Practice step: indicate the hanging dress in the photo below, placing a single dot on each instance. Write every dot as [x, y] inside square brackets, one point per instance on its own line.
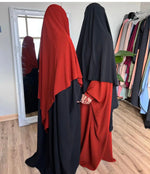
[122, 67]
[134, 60]
[58, 142]
[120, 36]
[130, 48]
[144, 95]
[96, 58]
[138, 74]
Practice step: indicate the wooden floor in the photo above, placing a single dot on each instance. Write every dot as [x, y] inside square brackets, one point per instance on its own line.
[131, 146]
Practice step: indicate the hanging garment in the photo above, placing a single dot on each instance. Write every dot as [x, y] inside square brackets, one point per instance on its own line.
[139, 36]
[143, 45]
[144, 96]
[146, 54]
[125, 65]
[134, 61]
[124, 32]
[133, 74]
[145, 69]
[29, 60]
[119, 37]
[96, 59]
[122, 67]
[130, 48]
[147, 120]
[136, 49]
[58, 146]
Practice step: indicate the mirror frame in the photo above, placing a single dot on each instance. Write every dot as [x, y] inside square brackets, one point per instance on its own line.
[13, 13]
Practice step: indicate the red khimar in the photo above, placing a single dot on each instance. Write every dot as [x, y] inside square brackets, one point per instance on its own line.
[29, 60]
[96, 58]
[58, 63]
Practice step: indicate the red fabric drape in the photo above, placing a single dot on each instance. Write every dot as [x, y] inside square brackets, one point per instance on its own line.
[58, 63]
[96, 140]
[29, 60]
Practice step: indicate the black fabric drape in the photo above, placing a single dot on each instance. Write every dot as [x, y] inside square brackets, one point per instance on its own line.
[30, 83]
[139, 39]
[95, 47]
[58, 149]
[95, 50]
[147, 117]
[113, 106]
[137, 79]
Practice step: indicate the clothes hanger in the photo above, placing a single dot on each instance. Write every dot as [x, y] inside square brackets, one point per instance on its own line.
[131, 15]
[139, 16]
[142, 14]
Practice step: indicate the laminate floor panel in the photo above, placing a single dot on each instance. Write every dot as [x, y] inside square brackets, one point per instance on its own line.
[131, 146]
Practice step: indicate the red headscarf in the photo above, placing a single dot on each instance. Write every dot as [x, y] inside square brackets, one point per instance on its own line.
[29, 60]
[58, 63]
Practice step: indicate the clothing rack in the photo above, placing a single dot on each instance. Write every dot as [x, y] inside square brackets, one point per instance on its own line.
[134, 36]
[143, 12]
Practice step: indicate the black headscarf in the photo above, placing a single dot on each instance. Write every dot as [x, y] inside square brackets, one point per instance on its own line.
[95, 47]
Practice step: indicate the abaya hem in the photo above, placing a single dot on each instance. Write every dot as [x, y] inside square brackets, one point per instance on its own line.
[92, 168]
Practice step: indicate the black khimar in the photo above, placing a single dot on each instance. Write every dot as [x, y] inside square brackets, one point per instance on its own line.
[95, 47]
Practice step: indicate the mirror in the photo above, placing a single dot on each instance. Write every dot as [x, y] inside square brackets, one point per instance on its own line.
[29, 36]
[26, 28]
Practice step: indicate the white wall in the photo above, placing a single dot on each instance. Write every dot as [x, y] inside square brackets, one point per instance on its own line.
[115, 12]
[145, 6]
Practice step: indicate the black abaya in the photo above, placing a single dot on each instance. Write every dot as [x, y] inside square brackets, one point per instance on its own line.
[58, 149]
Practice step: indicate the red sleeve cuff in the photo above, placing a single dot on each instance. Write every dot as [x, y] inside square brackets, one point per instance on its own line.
[88, 95]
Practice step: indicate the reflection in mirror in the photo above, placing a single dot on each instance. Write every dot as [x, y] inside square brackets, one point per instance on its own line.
[29, 35]
[30, 76]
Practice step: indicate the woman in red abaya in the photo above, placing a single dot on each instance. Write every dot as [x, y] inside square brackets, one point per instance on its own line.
[96, 58]
[58, 147]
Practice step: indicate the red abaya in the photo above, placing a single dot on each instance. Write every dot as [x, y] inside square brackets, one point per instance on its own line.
[96, 58]
[96, 140]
